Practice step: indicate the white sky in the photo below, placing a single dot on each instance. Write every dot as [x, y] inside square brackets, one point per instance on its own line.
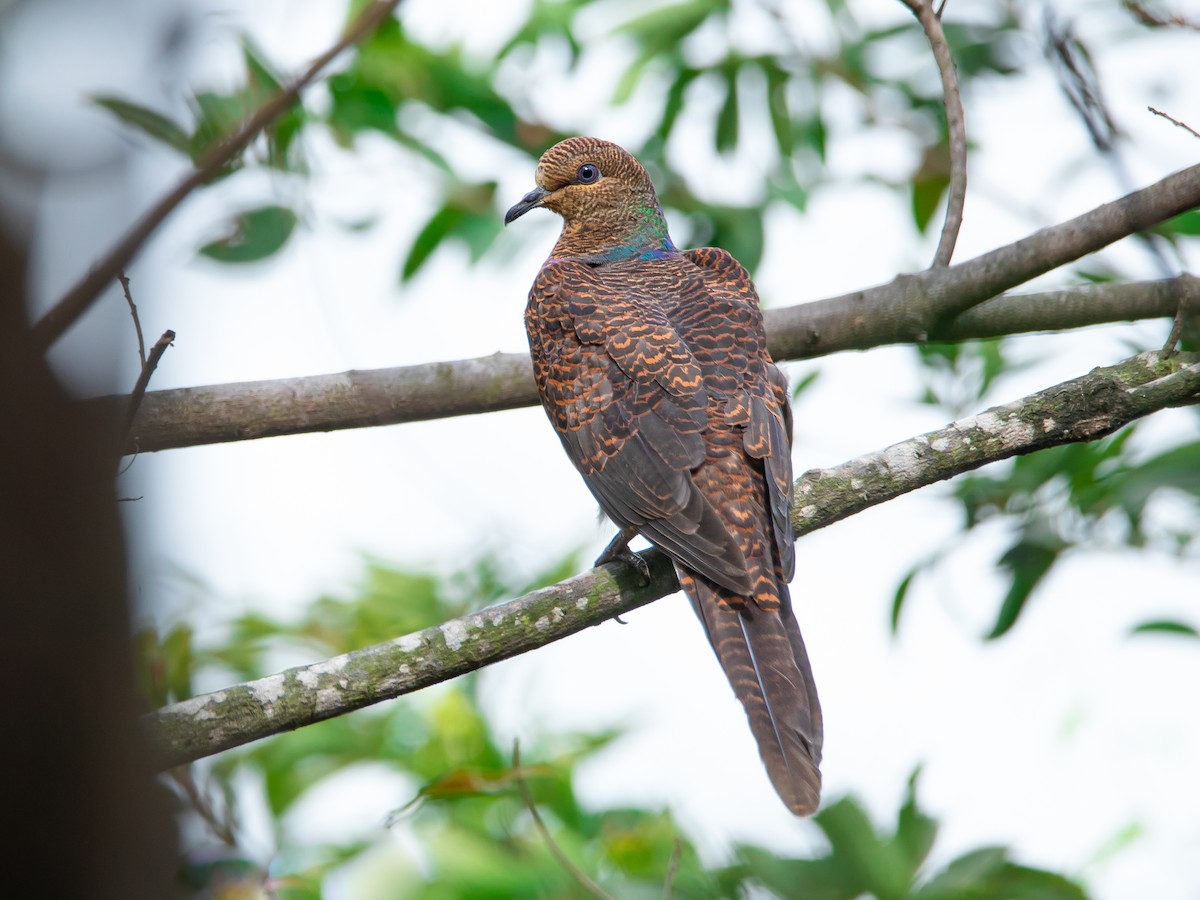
[1057, 739]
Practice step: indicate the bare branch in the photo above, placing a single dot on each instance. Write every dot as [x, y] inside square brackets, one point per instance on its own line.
[910, 307]
[956, 127]
[1186, 127]
[137, 323]
[1154, 20]
[220, 824]
[1171, 344]
[1080, 83]
[1082, 409]
[188, 417]
[571, 869]
[672, 868]
[139, 387]
[80, 297]
[1074, 307]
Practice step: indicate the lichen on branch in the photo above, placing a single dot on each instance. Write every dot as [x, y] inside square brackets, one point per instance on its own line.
[1082, 409]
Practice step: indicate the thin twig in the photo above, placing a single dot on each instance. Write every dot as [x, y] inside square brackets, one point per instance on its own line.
[1176, 332]
[956, 128]
[1189, 306]
[221, 826]
[139, 387]
[1080, 83]
[84, 293]
[1186, 127]
[1154, 20]
[137, 323]
[672, 868]
[571, 869]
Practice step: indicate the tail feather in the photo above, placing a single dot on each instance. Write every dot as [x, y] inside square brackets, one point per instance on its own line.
[763, 655]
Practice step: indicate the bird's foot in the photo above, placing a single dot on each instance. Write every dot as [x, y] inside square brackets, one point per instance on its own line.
[618, 551]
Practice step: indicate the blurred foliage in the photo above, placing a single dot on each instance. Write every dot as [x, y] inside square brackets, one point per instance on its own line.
[460, 828]
[1086, 497]
[681, 56]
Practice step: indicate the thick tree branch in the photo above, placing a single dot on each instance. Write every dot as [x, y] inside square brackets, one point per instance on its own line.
[916, 308]
[84, 293]
[188, 417]
[210, 723]
[825, 326]
[911, 307]
[1082, 409]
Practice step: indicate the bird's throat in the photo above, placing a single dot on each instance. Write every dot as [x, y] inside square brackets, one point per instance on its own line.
[647, 239]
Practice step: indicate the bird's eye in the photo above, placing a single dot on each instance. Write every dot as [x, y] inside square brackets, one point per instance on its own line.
[587, 174]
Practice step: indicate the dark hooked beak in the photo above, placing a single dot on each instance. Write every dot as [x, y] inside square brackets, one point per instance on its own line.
[532, 200]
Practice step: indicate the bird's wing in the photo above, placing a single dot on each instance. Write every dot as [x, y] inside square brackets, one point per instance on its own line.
[759, 399]
[747, 477]
[628, 401]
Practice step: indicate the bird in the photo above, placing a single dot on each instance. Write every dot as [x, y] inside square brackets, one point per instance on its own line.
[652, 366]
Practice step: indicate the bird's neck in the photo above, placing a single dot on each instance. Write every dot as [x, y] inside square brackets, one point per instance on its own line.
[638, 232]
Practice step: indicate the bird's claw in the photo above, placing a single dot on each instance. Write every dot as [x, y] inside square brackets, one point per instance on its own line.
[618, 551]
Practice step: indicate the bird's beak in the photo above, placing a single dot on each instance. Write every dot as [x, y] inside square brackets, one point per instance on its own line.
[532, 200]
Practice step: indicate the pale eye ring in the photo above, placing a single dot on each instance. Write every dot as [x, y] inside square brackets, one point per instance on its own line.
[587, 174]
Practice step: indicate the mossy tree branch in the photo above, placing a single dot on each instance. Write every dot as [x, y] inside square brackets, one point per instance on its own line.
[1082, 409]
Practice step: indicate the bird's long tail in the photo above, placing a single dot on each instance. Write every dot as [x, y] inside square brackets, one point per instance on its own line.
[758, 643]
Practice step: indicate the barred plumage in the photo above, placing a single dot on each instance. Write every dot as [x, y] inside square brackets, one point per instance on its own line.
[653, 368]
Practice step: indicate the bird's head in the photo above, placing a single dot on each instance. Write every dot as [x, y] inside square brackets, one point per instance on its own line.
[604, 196]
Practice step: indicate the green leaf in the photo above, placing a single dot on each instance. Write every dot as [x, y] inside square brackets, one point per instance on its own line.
[811, 879]
[802, 384]
[927, 193]
[629, 79]
[811, 132]
[987, 873]
[665, 26]
[777, 106]
[966, 875]
[479, 232]
[428, 238]
[177, 659]
[1027, 562]
[254, 235]
[901, 595]
[727, 118]
[358, 107]
[1097, 275]
[1166, 626]
[785, 187]
[915, 831]
[673, 103]
[148, 121]
[1187, 223]
[262, 81]
[738, 229]
[880, 866]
